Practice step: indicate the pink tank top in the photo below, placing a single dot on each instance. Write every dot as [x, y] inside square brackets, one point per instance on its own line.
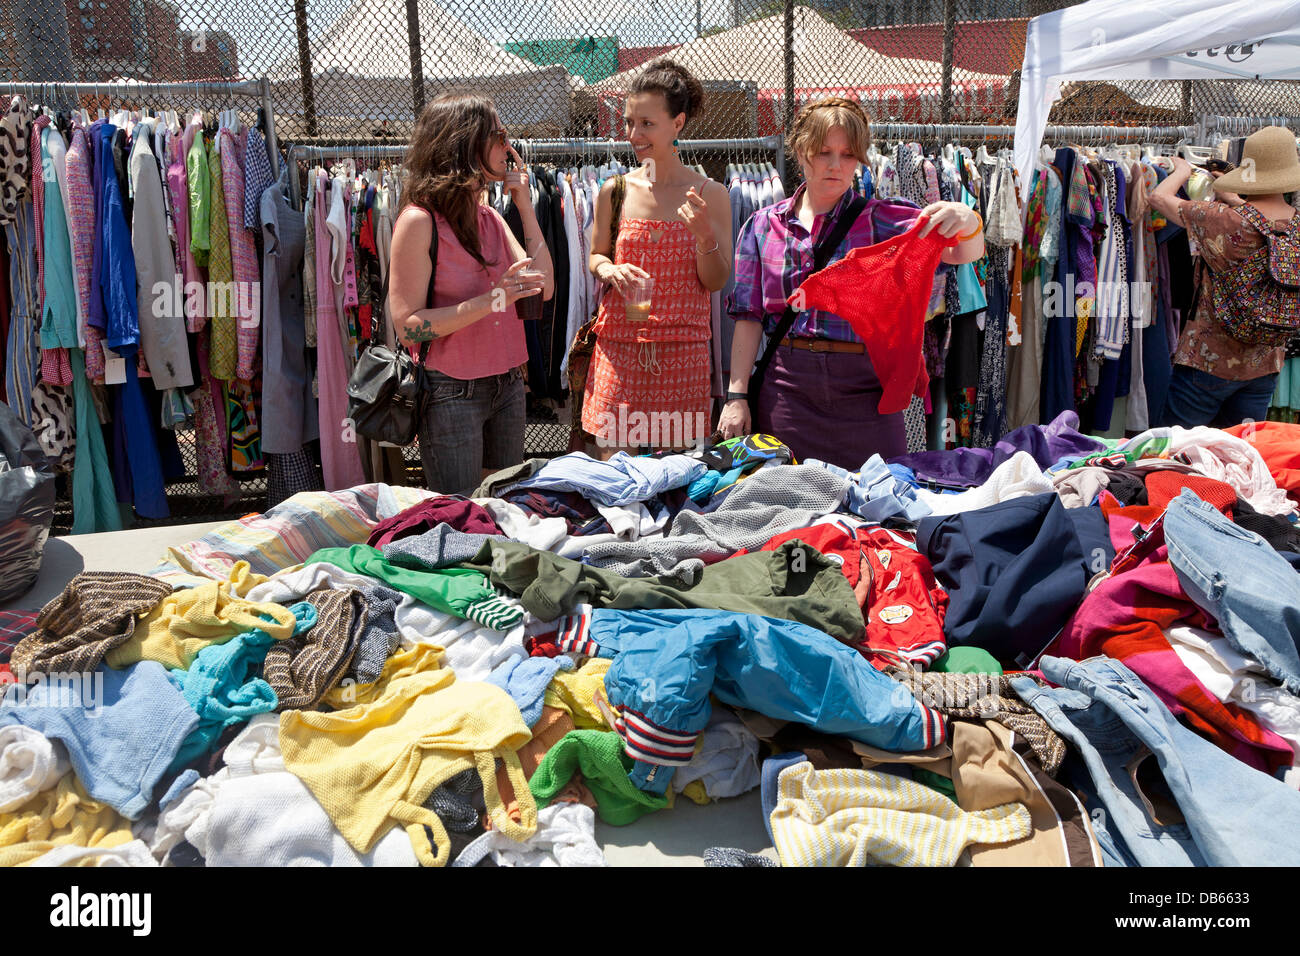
[495, 343]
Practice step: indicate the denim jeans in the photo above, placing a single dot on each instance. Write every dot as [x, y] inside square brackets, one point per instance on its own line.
[1199, 398]
[1236, 576]
[1232, 815]
[469, 425]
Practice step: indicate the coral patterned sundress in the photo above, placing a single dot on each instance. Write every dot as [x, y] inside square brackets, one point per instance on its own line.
[663, 364]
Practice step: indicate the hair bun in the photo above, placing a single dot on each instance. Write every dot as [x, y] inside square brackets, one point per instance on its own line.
[680, 87]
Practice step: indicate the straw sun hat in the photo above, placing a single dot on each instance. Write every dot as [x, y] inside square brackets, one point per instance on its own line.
[1269, 164]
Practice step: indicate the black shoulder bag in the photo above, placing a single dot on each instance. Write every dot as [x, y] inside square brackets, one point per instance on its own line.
[386, 394]
[821, 255]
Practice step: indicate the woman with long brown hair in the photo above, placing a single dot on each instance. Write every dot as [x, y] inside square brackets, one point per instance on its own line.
[474, 421]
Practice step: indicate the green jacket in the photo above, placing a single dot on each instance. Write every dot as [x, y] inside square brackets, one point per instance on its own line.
[200, 189]
[796, 582]
[457, 591]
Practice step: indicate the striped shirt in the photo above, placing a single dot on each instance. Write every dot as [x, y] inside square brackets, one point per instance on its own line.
[774, 254]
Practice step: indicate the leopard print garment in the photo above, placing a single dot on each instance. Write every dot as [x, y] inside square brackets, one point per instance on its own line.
[53, 424]
[15, 157]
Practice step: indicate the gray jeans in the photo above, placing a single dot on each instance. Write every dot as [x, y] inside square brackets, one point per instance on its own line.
[469, 425]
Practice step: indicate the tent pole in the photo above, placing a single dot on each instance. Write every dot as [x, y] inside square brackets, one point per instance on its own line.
[304, 67]
[949, 32]
[417, 63]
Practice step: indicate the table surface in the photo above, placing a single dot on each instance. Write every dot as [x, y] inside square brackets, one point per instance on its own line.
[676, 837]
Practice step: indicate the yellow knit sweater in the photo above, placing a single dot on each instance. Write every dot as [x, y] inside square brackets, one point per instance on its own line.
[63, 815]
[186, 621]
[373, 765]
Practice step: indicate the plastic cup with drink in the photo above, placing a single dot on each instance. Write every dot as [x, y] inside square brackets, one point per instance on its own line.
[639, 298]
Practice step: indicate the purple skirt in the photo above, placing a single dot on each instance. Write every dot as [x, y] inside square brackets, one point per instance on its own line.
[823, 405]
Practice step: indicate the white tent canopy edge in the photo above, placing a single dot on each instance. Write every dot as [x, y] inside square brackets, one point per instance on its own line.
[1172, 40]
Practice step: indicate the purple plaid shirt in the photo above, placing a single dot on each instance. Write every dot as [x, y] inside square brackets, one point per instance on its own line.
[774, 254]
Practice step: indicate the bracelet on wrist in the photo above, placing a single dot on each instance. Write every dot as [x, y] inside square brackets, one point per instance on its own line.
[737, 396]
[706, 252]
[979, 227]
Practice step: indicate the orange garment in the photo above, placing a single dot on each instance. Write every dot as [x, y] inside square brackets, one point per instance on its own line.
[662, 364]
[882, 291]
[549, 730]
[1278, 443]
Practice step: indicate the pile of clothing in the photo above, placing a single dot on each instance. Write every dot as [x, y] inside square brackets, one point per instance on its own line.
[952, 658]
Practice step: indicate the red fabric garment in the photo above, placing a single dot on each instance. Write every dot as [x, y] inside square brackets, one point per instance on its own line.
[1125, 617]
[903, 604]
[366, 238]
[1278, 443]
[461, 513]
[1164, 485]
[883, 292]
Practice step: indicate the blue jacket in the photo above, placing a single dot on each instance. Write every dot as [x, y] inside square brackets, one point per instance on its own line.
[666, 663]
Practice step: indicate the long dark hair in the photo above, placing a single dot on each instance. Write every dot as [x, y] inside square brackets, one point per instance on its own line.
[444, 165]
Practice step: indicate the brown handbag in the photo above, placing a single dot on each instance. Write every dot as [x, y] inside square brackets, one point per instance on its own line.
[584, 342]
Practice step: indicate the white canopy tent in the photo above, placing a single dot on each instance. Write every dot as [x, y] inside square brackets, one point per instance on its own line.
[361, 71]
[826, 60]
[1112, 40]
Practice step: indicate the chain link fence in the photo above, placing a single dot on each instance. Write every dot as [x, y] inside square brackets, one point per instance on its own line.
[358, 71]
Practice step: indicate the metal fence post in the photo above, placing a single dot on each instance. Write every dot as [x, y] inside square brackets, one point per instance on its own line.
[788, 117]
[949, 34]
[304, 67]
[417, 63]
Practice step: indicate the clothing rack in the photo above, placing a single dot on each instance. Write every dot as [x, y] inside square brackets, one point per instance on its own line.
[1085, 134]
[298, 153]
[533, 148]
[259, 88]
[1213, 127]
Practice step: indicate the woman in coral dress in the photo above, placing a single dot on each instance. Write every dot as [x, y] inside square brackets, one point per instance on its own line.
[648, 384]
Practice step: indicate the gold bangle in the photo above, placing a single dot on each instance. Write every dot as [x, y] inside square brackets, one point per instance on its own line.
[974, 232]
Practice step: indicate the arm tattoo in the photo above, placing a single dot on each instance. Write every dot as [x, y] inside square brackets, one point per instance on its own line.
[423, 332]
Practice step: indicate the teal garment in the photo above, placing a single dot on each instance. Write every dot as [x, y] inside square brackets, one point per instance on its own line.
[599, 756]
[1287, 393]
[223, 686]
[94, 501]
[59, 320]
[966, 660]
[970, 293]
[458, 591]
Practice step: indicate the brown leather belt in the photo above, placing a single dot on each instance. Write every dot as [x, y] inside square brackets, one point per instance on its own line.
[826, 345]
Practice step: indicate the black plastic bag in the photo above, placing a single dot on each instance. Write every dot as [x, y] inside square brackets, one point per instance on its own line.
[26, 505]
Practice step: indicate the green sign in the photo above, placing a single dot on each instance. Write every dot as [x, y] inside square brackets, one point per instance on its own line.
[592, 58]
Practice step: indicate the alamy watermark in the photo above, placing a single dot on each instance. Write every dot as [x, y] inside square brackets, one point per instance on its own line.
[208, 298]
[65, 690]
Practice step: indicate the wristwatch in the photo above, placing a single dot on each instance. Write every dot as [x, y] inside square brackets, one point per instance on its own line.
[738, 396]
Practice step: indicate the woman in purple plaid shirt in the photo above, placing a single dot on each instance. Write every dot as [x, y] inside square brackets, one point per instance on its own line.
[820, 393]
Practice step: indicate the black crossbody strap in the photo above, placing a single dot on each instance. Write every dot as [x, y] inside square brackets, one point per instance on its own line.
[821, 255]
[428, 299]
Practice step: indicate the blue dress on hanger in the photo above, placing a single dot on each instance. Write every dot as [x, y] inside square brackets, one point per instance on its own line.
[137, 469]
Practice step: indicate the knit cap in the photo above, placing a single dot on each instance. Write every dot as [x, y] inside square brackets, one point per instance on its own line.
[95, 613]
[883, 292]
[599, 756]
[303, 669]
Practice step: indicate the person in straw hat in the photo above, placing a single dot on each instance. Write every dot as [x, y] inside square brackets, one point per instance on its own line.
[1218, 380]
